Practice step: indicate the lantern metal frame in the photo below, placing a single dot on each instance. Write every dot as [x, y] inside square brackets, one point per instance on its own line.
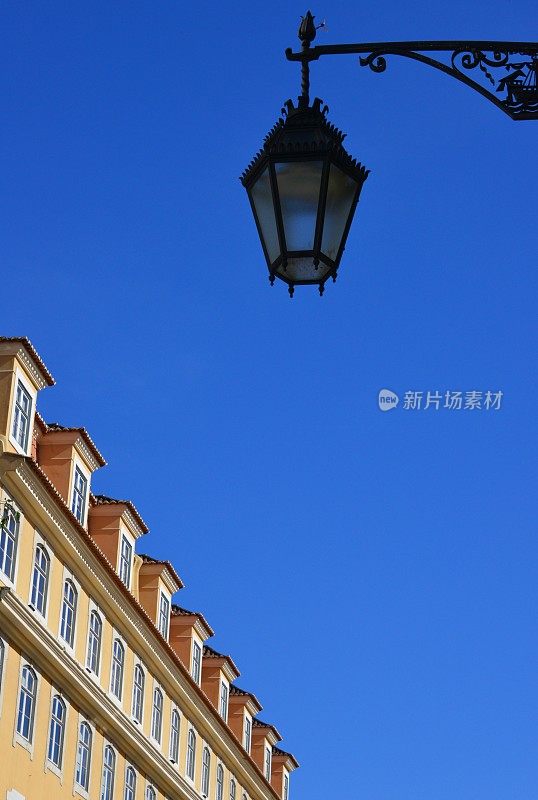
[303, 134]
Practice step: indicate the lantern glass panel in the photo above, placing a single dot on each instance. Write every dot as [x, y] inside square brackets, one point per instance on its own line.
[263, 203]
[299, 183]
[340, 195]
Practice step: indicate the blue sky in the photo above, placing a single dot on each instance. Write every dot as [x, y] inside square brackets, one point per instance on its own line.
[373, 575]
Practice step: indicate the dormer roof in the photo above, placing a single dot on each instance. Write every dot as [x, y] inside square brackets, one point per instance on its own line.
[254, 704]
[226, 661]
[207, 630]
[173, 577]
[291, 762]
[271, 731]
[104, 500]
[30, 356]
[53, 427]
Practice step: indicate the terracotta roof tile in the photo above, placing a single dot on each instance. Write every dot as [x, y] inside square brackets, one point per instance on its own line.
[55, 426]
[103, 500]
[33, 352]
[278, 752]
[178, 611]
[150, 560]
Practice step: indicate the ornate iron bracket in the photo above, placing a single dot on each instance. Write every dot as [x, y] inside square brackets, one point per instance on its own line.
[508, 71]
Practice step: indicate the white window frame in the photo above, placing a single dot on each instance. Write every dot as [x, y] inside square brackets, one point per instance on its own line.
[50, 766]
[106, 744]
[220, 768]
[77, 787]
[39, 541]
[96, 676]
[138, 663]
[84, 471]
[18, 738]
[204, 748]
[12, 580]
[68, 576]
[124, 536]
[196, 674]
[166, 597]
[224, 699]
[157, 687]
[285, 784]
[113, 695]
[247, 732]
[192, 779]
[150, 785]
[20, 376]
[268, 762]
[129, 766]
[175, 760]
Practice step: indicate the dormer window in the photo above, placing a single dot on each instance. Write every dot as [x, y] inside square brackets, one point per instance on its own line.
[267, 769]
[164, 615]
[196, 662]
[126, 560]
[224, 701]
[21, 416]
[80, 489]
[248, 733]
[286, 791]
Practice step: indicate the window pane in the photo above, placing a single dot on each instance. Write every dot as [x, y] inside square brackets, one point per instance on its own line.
[9, 534]
[56, 732]
[263, 203]
[82, 770]
[40, 578]
[21, 416]
[27, 696]
[69, 610]
[298, 188]
[340, 194]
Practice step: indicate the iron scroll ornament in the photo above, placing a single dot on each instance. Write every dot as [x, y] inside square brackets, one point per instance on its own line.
[508, 70]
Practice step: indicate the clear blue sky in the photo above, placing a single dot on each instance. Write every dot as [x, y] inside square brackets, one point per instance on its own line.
[373, 575]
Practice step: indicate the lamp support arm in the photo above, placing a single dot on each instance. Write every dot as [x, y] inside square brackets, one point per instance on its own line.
[514, 90]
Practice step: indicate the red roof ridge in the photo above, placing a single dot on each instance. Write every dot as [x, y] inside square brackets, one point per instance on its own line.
[55, 426]
[103, 500]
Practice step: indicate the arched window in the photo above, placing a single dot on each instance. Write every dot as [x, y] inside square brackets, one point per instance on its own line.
[220, 782]
[40, 579]
[84, 754]
[233, 789]
[69, 613]
[116, 675]
[27, 698]
[206, 766]
[174, 736]
[9, 537]
[130, 784]
[150, 793]
[157, 715]
[109, 767]
[56, 732]
[191, 753]
[138, 693]
[94, 643]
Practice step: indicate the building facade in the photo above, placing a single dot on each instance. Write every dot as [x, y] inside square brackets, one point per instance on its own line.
[108, 688]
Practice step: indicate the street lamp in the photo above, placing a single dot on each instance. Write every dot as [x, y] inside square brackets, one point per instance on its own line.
[303, 186]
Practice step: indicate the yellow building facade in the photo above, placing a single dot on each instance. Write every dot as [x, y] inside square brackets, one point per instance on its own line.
[108, 688]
